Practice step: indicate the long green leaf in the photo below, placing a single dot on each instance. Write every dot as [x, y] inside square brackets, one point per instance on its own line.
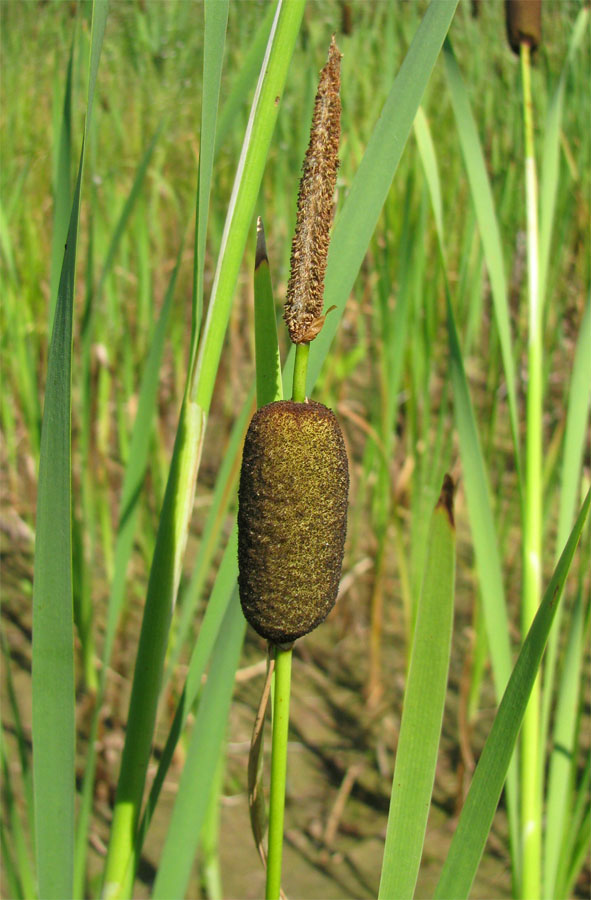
[53, 644]
[484, 207]
[564, 750]
[210, 726]
[53, 640]
[188, 815]
[477, 815]
[245, 79]
[577, 426]
[358, 218]
[256, 144]
[477, 486]
[422, 714]
[61, 190]
[216, 20]
[208, 633]
[551, 152]
[132, 482]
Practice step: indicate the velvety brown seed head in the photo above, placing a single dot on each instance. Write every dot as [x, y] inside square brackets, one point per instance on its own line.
[524, 23]
[309, 250]
[292, 518]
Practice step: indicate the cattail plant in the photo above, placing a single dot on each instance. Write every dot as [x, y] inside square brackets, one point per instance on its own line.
[294, 480]
[524, 26]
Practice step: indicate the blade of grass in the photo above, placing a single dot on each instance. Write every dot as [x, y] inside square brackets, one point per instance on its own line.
[132, 483]
[422, 715]
[488, 560]
[20, 862]
[202, 758]
[357, 220]
[564, 755]
[208, 633]
[577, 424]
[247, 77]
[177, 856]
[268, 363]
[551, 151]
[216, 20]
[479, 808]
[23, 750]
[9, 866]
[61, 189]
[482, 198]
[244, 193]
[53, 645]
[213, 531]
[53, 650]
[576, 837]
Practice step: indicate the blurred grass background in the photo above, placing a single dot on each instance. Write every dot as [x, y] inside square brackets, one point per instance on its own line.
[387, 376]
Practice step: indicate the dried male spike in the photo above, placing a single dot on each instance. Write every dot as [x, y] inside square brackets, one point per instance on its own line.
[524, 23]
[292, 517]
[309, 250]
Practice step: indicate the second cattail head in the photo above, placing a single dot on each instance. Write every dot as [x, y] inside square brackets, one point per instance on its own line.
[524, 23]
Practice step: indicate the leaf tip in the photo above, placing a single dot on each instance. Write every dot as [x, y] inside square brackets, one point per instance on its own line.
[446, 498]
[261, 248]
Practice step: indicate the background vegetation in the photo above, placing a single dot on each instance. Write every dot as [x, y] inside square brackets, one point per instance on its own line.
[388, 377]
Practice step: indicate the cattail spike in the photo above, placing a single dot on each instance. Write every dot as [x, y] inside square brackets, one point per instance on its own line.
[309, 251]
[292, 518]
[524, 23]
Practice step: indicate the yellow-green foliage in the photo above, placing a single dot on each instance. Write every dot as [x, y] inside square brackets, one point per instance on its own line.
[292, 518]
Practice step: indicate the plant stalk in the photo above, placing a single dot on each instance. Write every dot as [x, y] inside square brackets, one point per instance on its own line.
[282, 686]
[300, 371]
[532, 526]
[278, 770]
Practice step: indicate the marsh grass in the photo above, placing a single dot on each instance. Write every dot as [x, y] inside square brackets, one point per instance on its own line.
[422, 372]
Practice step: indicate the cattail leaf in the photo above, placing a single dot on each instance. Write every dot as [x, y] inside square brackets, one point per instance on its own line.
[479, 808]
[53, 639]
[268, 361]
[216, 20]
[478, 496]
[564, 758]
[550, 175]
[192, 799]
[61, 188]
[213, 532]
[422, 714]
[133, 479]
[490, 235]
[357, 220]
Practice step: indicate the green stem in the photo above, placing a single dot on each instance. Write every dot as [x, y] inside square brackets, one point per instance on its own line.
[278, 770]
[532, 541]
[300, 371]
[282, 686]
